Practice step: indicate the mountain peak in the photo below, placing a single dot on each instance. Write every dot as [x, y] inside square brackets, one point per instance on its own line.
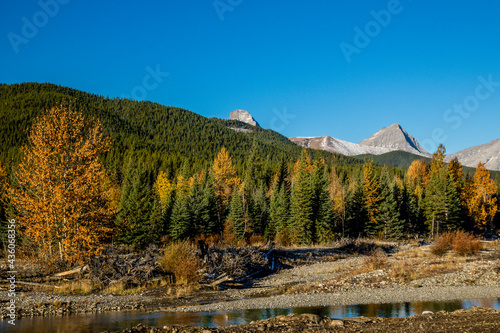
[244, 116]
[395, 137]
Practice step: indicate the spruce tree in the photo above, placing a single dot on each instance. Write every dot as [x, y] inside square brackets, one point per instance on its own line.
[356, 212]
[389, 215]
[138, 219]
[301, 223]
[322, 213]
[237, 216]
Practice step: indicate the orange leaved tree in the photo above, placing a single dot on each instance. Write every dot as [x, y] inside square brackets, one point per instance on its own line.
[482, 203]
[63, 198]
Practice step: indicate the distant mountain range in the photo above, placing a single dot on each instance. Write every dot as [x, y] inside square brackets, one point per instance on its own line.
[390, 139]
[488, 154]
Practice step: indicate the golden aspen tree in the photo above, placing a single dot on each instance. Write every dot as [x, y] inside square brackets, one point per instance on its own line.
[164, 189]
[225, 176]
[371, 189]
[338, 197]
[63, 199]
[482, 205]
[418, 174]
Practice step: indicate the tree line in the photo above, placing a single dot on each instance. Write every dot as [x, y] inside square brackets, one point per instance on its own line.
[68, 207]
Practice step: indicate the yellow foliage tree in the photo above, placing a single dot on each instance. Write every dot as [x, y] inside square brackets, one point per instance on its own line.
[482, 204]
[225, 176]
[418, 174]
[63, 198]
[164, 189]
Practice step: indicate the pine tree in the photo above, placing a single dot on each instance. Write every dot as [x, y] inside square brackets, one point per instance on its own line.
[389, 217]
[301, 223]
[63, 198]
[453, 209]
[181, 224]
[139, 217]
[435, 201]
[322, 213]
[279, 210]
[356, 213]
[237, 218]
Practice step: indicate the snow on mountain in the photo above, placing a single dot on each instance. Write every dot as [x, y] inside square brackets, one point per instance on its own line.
[488, 154]
[338, 146]
[388, 139]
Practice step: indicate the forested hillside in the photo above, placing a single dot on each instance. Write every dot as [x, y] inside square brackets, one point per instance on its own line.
[96, 171]
[163, 134]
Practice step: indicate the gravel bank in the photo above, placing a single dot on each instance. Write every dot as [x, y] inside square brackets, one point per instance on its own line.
[361, 296]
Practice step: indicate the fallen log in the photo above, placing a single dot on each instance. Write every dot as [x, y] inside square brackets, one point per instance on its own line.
[37, 284]
[73, 271]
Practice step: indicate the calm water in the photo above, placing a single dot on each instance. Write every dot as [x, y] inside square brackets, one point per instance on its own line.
[120, 321]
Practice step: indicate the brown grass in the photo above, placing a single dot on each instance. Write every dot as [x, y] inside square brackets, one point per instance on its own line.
[179, 259]
[81, 287]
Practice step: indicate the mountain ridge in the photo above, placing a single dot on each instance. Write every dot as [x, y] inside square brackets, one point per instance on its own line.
[387, 139]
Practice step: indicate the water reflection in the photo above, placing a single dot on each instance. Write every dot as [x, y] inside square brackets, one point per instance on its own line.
[119, 321]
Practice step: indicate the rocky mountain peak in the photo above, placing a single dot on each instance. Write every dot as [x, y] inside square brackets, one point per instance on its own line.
[395, 137]
[244, 116]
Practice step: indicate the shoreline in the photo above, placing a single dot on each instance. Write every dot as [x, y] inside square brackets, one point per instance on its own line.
[372, 296]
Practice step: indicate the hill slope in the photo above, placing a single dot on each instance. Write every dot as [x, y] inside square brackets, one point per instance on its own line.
[166, 134]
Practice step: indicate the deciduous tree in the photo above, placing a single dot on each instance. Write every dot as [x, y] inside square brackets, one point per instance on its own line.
[62, 196]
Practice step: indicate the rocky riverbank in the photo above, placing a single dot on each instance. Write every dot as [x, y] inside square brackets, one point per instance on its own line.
[480, 320]
[313, 277]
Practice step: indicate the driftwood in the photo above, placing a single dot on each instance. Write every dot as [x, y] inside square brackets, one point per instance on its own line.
[235, 266]
[70, 272]
[129, 268]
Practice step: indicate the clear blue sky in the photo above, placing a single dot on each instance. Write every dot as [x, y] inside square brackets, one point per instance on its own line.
[272, 57]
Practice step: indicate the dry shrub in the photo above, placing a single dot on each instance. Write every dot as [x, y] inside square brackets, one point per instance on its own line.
[257, 240]
[228, 235]
[461, 242]
[179, 258]
[442, 243]
[213, 239]
[283, 237]
[465, 244]
[375, 260]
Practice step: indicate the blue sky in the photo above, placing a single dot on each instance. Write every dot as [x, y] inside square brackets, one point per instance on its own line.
[338, 68]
